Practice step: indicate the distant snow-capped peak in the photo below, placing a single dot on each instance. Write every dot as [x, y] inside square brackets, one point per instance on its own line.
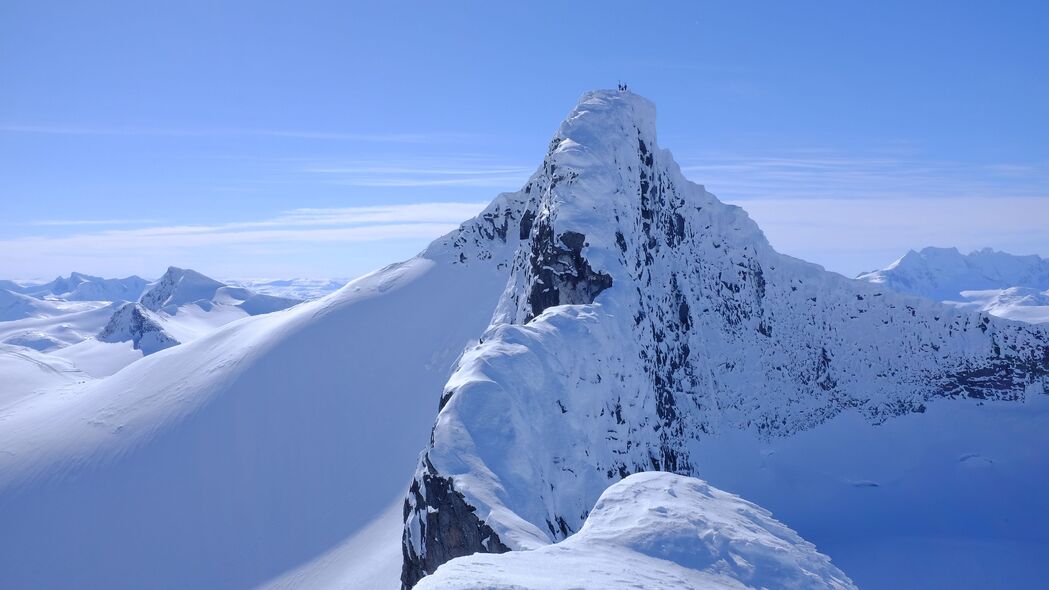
[1002, 284]
[943, 273]
[134, 323]
[83, 287]
[178, 287]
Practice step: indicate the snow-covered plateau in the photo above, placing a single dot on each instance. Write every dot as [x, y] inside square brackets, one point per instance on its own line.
[568, 362]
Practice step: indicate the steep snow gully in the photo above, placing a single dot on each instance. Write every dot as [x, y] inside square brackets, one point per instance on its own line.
[610, 318]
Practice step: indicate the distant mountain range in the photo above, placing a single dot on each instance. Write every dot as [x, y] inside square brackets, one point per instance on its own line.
[96, 326]
[82, 287]
[1002, 284]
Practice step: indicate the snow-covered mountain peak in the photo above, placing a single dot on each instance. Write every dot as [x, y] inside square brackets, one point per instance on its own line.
[177, 287]
[945, 258]
[642, 317]
[602, 121]
[607, 187]
[943, 273]
[134, 323]
[66, 284]
[83, 287]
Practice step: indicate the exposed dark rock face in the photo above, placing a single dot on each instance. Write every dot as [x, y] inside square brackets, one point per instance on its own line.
[526, 224]
[448, 526]
[132, 323]
[561, 276]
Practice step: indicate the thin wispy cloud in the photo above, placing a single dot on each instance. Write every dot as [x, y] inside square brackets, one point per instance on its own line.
[434, 137]
[831, 176]
[450, 171]
[873, 208]
[300, 226]
[75, 222]
[854, 235]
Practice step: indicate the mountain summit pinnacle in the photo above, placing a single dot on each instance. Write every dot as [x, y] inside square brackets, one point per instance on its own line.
[642, 318]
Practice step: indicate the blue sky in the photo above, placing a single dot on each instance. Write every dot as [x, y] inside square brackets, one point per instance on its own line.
[329, 138]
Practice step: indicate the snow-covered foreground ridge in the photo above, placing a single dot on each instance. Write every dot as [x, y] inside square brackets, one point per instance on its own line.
[657, 530]
[643, 318]
[264, 448]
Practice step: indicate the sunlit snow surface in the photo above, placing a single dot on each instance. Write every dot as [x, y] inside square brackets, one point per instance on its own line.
[661, 531]
[249, 454]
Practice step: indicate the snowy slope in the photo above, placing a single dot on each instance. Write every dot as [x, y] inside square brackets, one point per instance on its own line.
[178, 287]
[15, 306]
[27, 373]
[53, 324]
[954, 497]
[1001, 284]
[273, 450]
[660, 531]
[642, 320]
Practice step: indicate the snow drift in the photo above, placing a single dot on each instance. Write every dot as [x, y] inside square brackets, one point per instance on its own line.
[657, 530]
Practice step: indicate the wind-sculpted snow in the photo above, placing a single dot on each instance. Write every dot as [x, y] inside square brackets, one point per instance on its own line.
[643, 316]
[657, 530]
